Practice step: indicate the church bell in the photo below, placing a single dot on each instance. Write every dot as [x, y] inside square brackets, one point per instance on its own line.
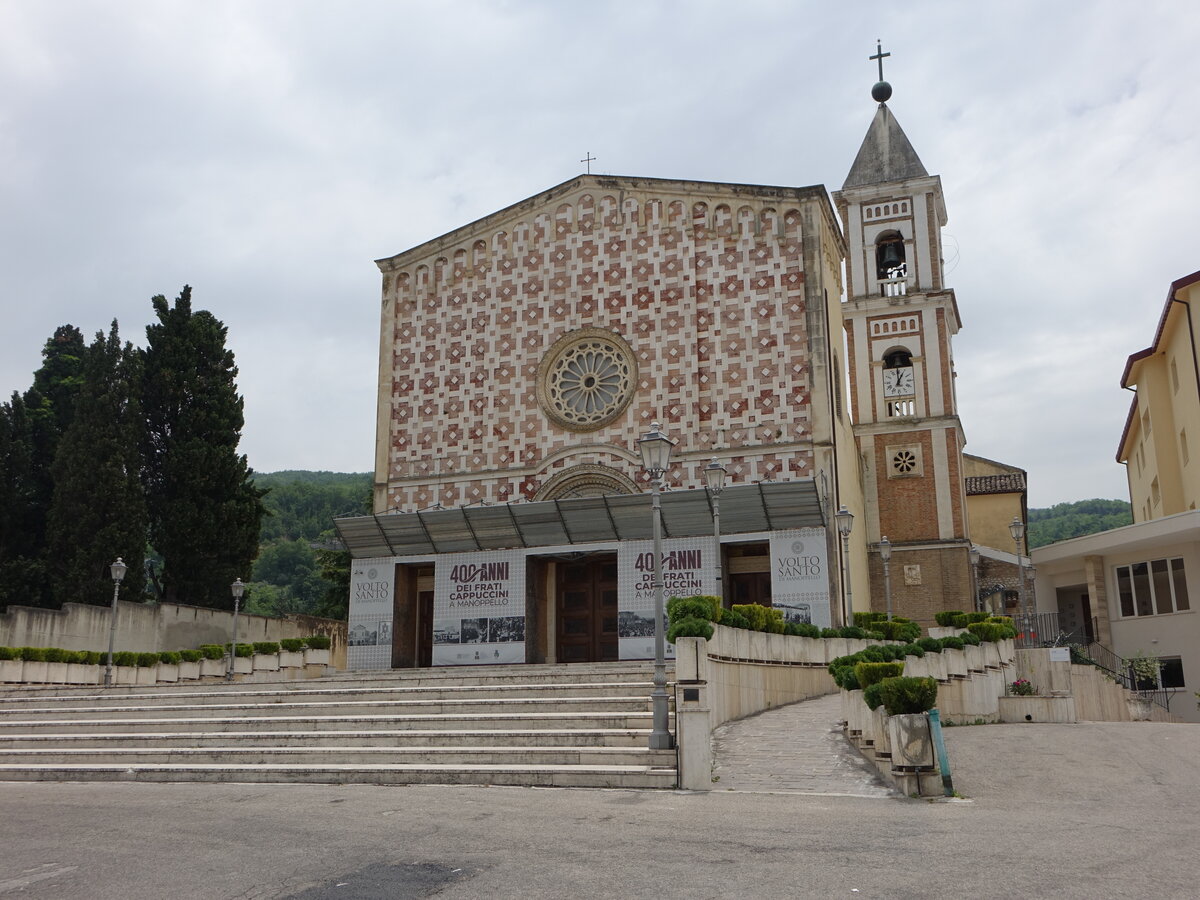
[891, 257]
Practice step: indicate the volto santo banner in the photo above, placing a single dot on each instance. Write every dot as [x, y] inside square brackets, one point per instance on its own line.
[688, 569]
[369, 628]
[479, 609]
[800, 575]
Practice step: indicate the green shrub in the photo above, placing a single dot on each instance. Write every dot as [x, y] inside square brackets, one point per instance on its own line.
[190, 655]
[869, 673]
[913, 650]
[213, 651]
[690, 626]
[755, 614]
[125, 658]
[147, 659]
[292, 645]
[850, 631]
[33, 654]
[170, 657]
[243, 651]
[991, 631]
[874, 653]
[897, 630]
[318, 641]
[775, 621]
[952, 643]
[8, 653]
[734, 619]
[266, 646]
[94, 657]
[969, 637]
[847, 679]
[700, 606]
[867, 619]
[976, 617]
[829, 633]
[803, 629]
[904, 696]
[960, 621]
[56, 654]
[931, 645]
[946, 618]
[873, 696]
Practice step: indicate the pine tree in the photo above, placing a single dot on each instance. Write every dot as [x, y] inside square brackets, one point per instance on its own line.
[205, 513]
[31, 427]
[99, 512]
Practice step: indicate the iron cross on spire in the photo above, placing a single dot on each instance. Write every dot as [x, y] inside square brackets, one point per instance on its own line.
[880, 56]
[589, 159]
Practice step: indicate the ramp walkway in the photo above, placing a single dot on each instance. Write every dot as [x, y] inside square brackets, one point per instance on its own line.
[794, 749]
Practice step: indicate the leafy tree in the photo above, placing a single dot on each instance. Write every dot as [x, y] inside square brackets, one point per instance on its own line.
[98, 511]
[205, 512]
[1064, 521]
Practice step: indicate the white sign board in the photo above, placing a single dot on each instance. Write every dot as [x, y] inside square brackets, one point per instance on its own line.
[687, 569]
[479, 608]
[1060, 654]
[369, 625]
[800, 575]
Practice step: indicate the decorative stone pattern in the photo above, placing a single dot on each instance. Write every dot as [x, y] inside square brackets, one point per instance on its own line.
[706, 285]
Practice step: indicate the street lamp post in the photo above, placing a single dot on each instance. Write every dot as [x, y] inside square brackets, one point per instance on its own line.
[1017, 529]
[238, 589]
[656, 456]
[974, 557]
[714, 477]
[117, 570]
[845, 522]
[885, 554]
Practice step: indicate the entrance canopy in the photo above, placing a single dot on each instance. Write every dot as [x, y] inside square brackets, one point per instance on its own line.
[771, 506]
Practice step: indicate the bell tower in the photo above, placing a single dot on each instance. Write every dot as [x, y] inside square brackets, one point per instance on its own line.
[900, 320]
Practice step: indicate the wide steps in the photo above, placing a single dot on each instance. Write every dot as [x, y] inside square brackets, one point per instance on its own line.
[518, 725]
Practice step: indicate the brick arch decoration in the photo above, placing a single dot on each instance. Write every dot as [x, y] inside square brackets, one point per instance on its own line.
[586, 480]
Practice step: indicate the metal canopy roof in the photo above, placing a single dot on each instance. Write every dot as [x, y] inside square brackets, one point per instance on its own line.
[771, 506]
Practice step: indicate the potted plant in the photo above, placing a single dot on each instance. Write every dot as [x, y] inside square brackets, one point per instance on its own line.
[11, 665]
[266, 656]
[215, 661]
[1143, 671]
[291, 654]
[908, 701]
[189, 664]
[316, 651]
[1022, 687]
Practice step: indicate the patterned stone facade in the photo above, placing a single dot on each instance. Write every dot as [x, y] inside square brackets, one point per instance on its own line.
[722, 292]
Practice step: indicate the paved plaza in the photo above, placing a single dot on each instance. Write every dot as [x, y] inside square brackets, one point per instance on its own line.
[1058, 811]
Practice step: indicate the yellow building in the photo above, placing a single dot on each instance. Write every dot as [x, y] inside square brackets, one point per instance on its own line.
[1165, 412]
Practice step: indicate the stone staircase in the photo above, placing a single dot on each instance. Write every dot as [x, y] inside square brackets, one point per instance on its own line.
[554, 725]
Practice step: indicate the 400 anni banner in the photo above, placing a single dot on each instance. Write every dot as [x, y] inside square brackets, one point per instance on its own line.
[688, 569]
[479, 609]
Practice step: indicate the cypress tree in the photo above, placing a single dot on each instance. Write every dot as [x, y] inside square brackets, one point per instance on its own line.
[205, 512]
[98, 512]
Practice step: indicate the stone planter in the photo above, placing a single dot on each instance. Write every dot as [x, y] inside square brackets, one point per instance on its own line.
[213, 668]
[321, 657]
[81, 673]
[1140, 708]
[189, 671]
[915, 667]
[265, 662]
[910, 741]
[879, 729]
[56, 673]
[146, 674]
[976, 658]
[939, 631]
[125, 674]
[34, 672]
[937, 666]
[956, 662]
[12, 670]
[168, 672]
[991, 654]
[243, 665]
[291, 660]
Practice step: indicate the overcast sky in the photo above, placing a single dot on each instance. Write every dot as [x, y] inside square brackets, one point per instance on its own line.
[267, 152]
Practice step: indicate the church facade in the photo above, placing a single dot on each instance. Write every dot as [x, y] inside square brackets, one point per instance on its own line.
[523, 356]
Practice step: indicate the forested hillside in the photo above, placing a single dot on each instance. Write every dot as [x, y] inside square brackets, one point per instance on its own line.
[298, 569]
[1069, 520]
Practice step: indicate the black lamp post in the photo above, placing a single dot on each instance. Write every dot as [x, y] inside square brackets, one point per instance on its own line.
[656, 457]
[714, 477]
[117, 570]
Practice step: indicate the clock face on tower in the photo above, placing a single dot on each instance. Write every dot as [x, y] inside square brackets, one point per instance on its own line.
[898, 382]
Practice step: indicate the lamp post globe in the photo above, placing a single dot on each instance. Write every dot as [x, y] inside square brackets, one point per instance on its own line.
[656, 458]
[238, 590]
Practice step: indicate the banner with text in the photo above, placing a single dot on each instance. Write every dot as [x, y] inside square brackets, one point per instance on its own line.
[688, 569]
[369, 625]
[800, 575]
[479, 608]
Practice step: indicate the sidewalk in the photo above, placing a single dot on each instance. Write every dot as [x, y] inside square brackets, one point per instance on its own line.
[795, 749]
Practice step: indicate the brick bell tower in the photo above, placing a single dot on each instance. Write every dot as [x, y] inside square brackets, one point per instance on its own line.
[900, 319]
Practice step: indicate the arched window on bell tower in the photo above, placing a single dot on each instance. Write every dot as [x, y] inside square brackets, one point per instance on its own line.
[899, 383]
[891, 266]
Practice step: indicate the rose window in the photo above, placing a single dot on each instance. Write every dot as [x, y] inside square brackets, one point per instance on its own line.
[904, 461]
[586, 379]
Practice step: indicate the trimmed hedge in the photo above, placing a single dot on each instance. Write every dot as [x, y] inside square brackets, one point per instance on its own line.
[952, 643]
[190, 656]
[170, 657]
[292, 645]
[905, 696]
[946, 618]
[8, 653]
[266, 647]
[690, 627]
[930, 645]
[869, 673]
[318, 642]
[32, 654]
[213, 651]
[873, 696]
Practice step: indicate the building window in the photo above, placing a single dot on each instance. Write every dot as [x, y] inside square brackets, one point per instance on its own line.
[1146, 423]
[1174, 377]
[1157, 587]
[1171, 673]
[1183, 450]
[1155, 495]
